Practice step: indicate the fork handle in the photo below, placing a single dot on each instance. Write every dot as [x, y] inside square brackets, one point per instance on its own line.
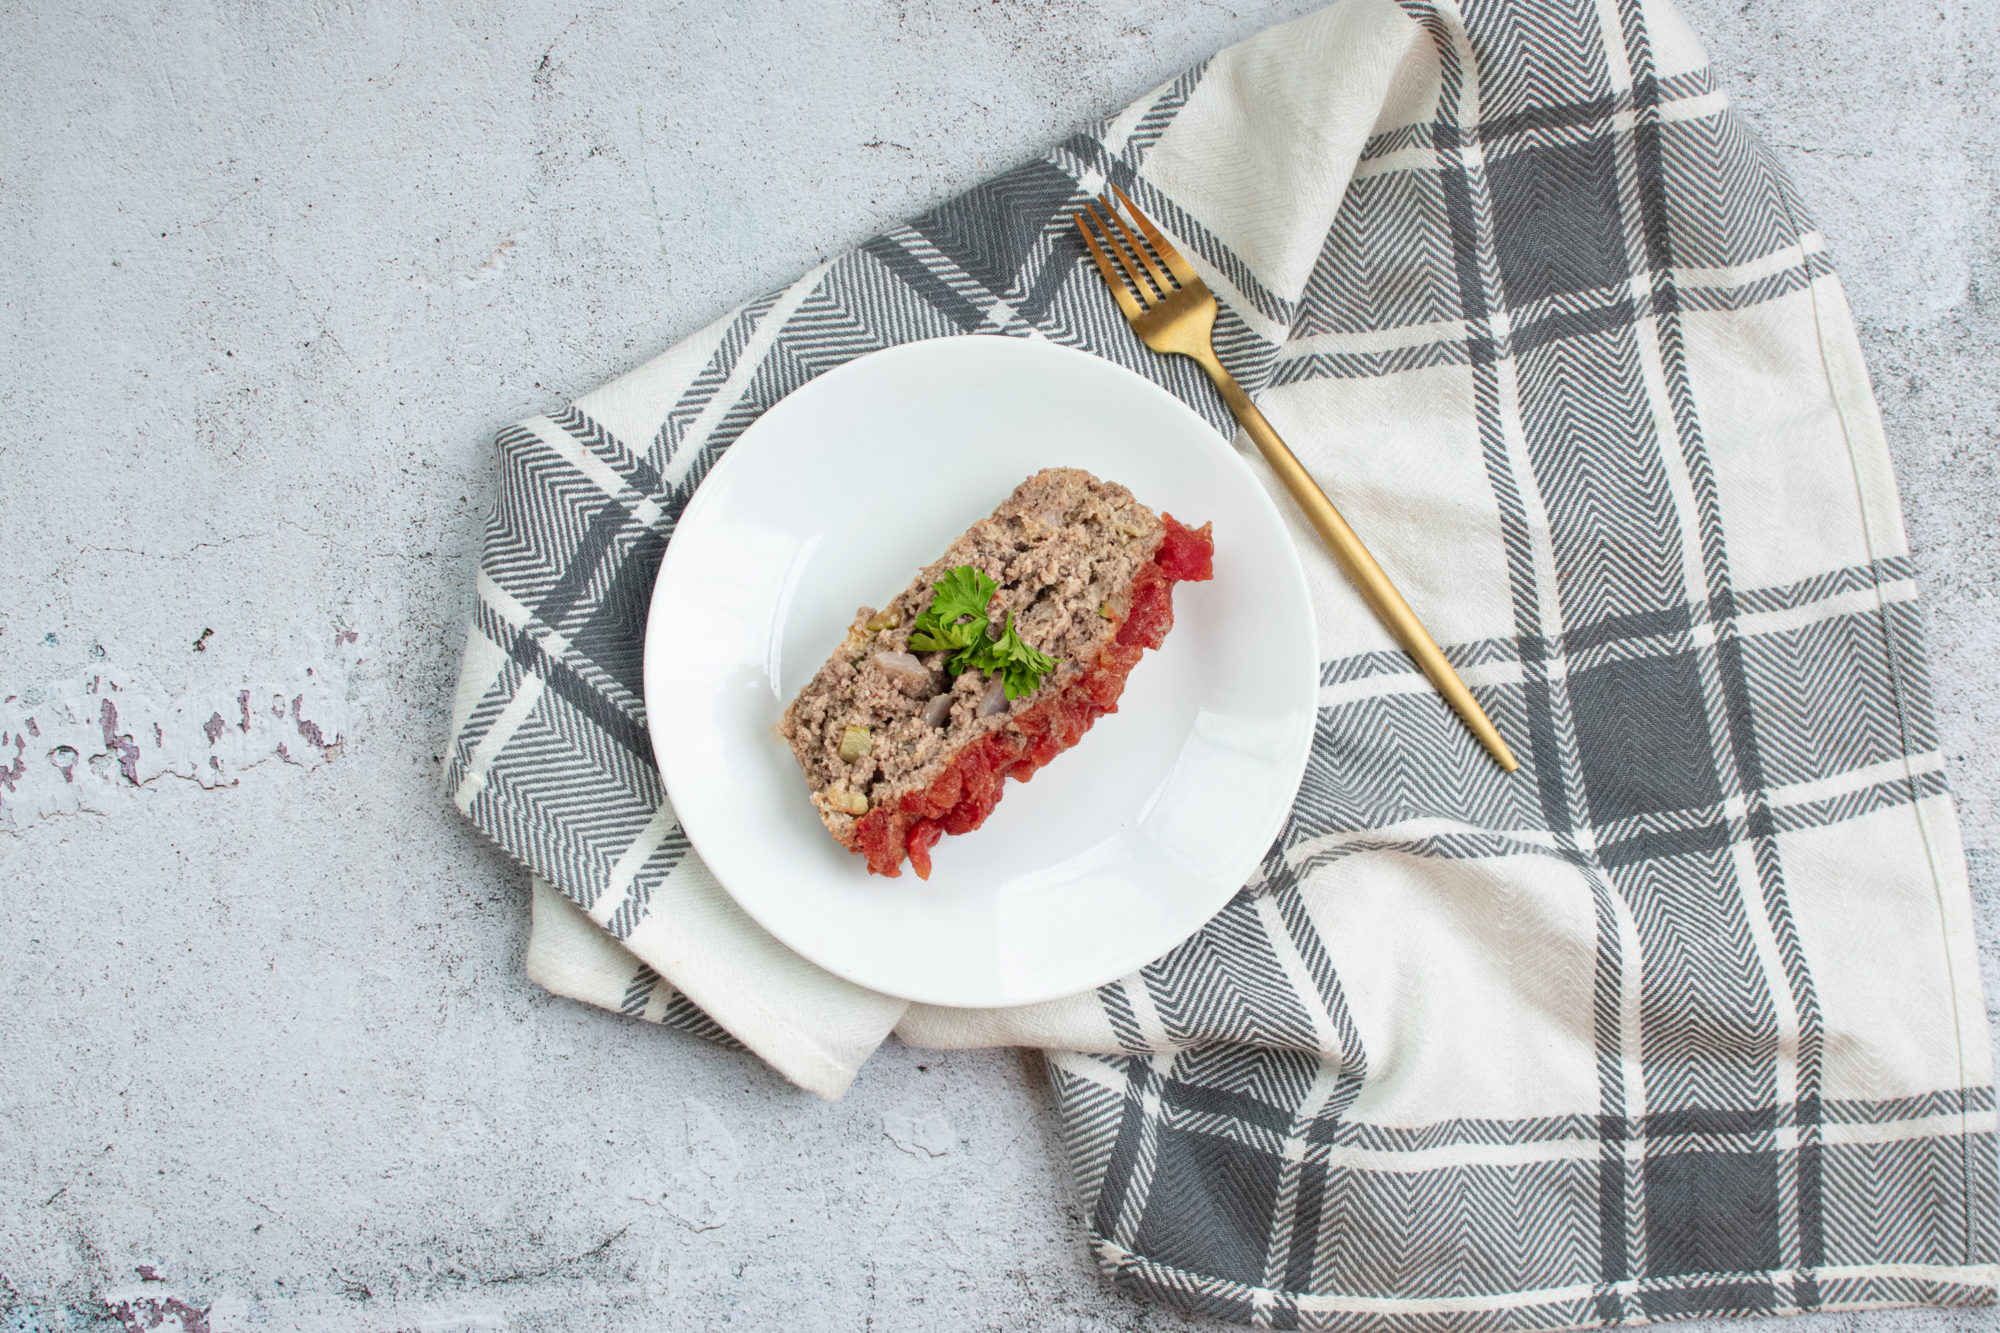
[1362, 569]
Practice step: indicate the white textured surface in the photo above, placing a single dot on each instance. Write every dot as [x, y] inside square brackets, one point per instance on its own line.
[273, 280]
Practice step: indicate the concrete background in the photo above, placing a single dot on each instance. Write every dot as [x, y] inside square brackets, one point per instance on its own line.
[273, 277]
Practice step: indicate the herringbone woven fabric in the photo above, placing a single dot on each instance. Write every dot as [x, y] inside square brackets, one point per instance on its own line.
[1682, 1019]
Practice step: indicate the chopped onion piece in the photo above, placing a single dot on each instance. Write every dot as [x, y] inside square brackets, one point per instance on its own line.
[904, 669]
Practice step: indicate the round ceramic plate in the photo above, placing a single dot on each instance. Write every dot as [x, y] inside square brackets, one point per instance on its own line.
[1123, 846]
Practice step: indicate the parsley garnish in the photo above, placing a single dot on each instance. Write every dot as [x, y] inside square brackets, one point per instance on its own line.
[956, 620]
[1019, 665]
[964, 591]
[956, 623]
[960, 640]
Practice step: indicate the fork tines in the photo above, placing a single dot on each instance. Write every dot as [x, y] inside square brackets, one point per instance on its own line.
[1140, 273]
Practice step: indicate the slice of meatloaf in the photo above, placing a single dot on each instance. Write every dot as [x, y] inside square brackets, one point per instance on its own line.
[899, 751]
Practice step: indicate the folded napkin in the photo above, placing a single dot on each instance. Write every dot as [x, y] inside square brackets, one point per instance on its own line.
[1684, 1017]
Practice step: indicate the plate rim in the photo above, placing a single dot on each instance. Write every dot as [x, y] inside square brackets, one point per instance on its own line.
[697, 505]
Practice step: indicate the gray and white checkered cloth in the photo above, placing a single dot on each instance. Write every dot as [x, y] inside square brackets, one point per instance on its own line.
[1682, 1019]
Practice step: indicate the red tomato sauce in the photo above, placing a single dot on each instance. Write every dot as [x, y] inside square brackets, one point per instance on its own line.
[961, 797]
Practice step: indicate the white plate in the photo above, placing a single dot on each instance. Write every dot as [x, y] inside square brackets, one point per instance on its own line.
[1116, 852]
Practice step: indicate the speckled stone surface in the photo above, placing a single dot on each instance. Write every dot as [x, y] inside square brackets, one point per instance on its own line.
[273, 279]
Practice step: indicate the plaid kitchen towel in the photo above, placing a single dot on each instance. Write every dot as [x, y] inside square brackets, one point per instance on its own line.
[1682, 1019]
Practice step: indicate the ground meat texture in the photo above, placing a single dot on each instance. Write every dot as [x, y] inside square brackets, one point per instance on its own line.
[897, 752]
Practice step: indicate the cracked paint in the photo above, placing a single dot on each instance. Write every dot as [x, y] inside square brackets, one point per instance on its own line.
[10, 776]
[76, 745]
[65, 758]
[919, 1135]
[308, 729]
[124, 1311]
[145, 1312]
[121, 746]
[700, 1189]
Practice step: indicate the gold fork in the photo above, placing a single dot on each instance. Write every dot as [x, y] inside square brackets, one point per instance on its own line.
[1173, 312]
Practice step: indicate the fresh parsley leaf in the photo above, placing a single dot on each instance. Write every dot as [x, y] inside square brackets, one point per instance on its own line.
[1020, 666]
[964, 591]
[955, 622]
[957, 637]
[943, 627]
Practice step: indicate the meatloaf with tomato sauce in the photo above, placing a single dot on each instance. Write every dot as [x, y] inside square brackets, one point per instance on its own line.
[898, 751]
